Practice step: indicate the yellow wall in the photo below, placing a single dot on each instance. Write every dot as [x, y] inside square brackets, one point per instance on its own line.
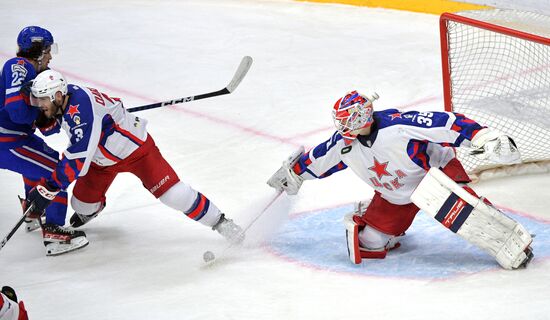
[426, 6]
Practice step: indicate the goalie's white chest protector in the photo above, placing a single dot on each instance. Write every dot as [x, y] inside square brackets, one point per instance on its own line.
[392, 162]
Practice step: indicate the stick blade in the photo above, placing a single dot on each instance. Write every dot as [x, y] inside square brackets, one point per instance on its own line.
[243, 68]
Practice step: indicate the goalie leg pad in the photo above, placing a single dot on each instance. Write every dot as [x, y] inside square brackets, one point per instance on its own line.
[373, 239]
[365, 242]
[355, 252]
[352, 239]
[474, 220]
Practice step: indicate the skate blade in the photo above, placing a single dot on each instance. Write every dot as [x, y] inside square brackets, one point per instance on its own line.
[32, 225]
[55, 249]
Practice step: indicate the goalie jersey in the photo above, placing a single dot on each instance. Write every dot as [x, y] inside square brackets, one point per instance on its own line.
[100, 130]
[397, 154]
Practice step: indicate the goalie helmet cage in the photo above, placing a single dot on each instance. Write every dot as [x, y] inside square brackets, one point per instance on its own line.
[496, 70]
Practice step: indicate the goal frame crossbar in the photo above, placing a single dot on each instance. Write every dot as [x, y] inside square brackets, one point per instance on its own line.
[443, 26]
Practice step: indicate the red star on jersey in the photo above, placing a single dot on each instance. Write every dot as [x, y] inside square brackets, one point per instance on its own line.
[380, 169]
[73, 110]
[395, 115]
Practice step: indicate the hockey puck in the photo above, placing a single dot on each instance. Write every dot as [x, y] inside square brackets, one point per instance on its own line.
[208, 256]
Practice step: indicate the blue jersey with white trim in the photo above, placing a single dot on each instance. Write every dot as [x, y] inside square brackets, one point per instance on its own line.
[396, 155]
[16, 116]
[100, 131]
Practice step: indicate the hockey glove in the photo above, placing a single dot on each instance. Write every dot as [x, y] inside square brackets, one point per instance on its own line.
[285, 179]
[490, 144]
[33, 214]
[40, 197]
[47, 126]
[26, 94]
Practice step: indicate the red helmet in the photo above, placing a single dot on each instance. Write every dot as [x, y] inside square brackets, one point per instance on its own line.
[351, 113]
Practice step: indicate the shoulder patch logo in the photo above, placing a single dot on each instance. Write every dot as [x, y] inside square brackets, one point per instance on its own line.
[73, 109]
[395, 115]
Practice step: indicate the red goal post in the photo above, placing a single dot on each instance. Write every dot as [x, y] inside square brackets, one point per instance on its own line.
[496, 70]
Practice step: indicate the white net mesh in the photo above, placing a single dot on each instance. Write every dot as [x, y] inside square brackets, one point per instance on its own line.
[503, 81]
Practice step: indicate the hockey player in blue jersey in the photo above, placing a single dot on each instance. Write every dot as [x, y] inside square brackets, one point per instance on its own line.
[106, 140]
[408, 158]
[21, 150]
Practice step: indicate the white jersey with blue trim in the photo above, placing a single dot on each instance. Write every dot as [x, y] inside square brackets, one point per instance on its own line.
[100, 131]
[397, 153]
[9, 309]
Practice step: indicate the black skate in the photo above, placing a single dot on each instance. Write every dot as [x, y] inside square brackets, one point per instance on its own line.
[529, 252]
[78, 220]
[59, 240]
[229, 230]
[9, 292]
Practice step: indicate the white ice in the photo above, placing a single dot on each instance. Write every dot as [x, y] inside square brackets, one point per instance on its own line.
[144, 260]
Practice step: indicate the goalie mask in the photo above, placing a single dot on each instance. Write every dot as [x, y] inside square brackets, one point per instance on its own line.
[352, 113]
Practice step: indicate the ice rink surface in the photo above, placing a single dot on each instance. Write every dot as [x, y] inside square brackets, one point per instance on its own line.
[144, 260]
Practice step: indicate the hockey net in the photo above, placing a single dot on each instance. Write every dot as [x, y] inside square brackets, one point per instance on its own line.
[496, 70]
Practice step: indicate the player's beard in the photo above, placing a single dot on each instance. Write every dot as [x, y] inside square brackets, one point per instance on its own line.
[58, 109]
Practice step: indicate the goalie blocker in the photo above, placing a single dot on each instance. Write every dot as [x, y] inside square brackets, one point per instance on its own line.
[474, 220]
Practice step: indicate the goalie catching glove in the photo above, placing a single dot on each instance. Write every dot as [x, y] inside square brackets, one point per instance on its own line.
[285, 179]
[490, 144]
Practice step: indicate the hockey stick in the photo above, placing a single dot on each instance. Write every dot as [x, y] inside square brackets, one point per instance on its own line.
[16, 227]
[263, 211]
[209, 257]
[245, 64]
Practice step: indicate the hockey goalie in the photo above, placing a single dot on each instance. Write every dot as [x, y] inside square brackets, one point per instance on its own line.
[408, 158]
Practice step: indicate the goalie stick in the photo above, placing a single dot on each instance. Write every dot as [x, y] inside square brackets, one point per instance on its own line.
[245, 64]
[230, 246]
[16, 227]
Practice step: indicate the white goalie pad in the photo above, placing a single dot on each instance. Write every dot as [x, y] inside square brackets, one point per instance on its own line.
[356, 252]
[352, 238]
[468, 216]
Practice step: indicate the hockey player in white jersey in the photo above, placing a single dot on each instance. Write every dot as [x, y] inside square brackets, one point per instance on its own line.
[10, 308]
[105, 140]
[408, 158]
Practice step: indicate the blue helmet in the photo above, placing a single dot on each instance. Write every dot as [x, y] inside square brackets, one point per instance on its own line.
[34, 34]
